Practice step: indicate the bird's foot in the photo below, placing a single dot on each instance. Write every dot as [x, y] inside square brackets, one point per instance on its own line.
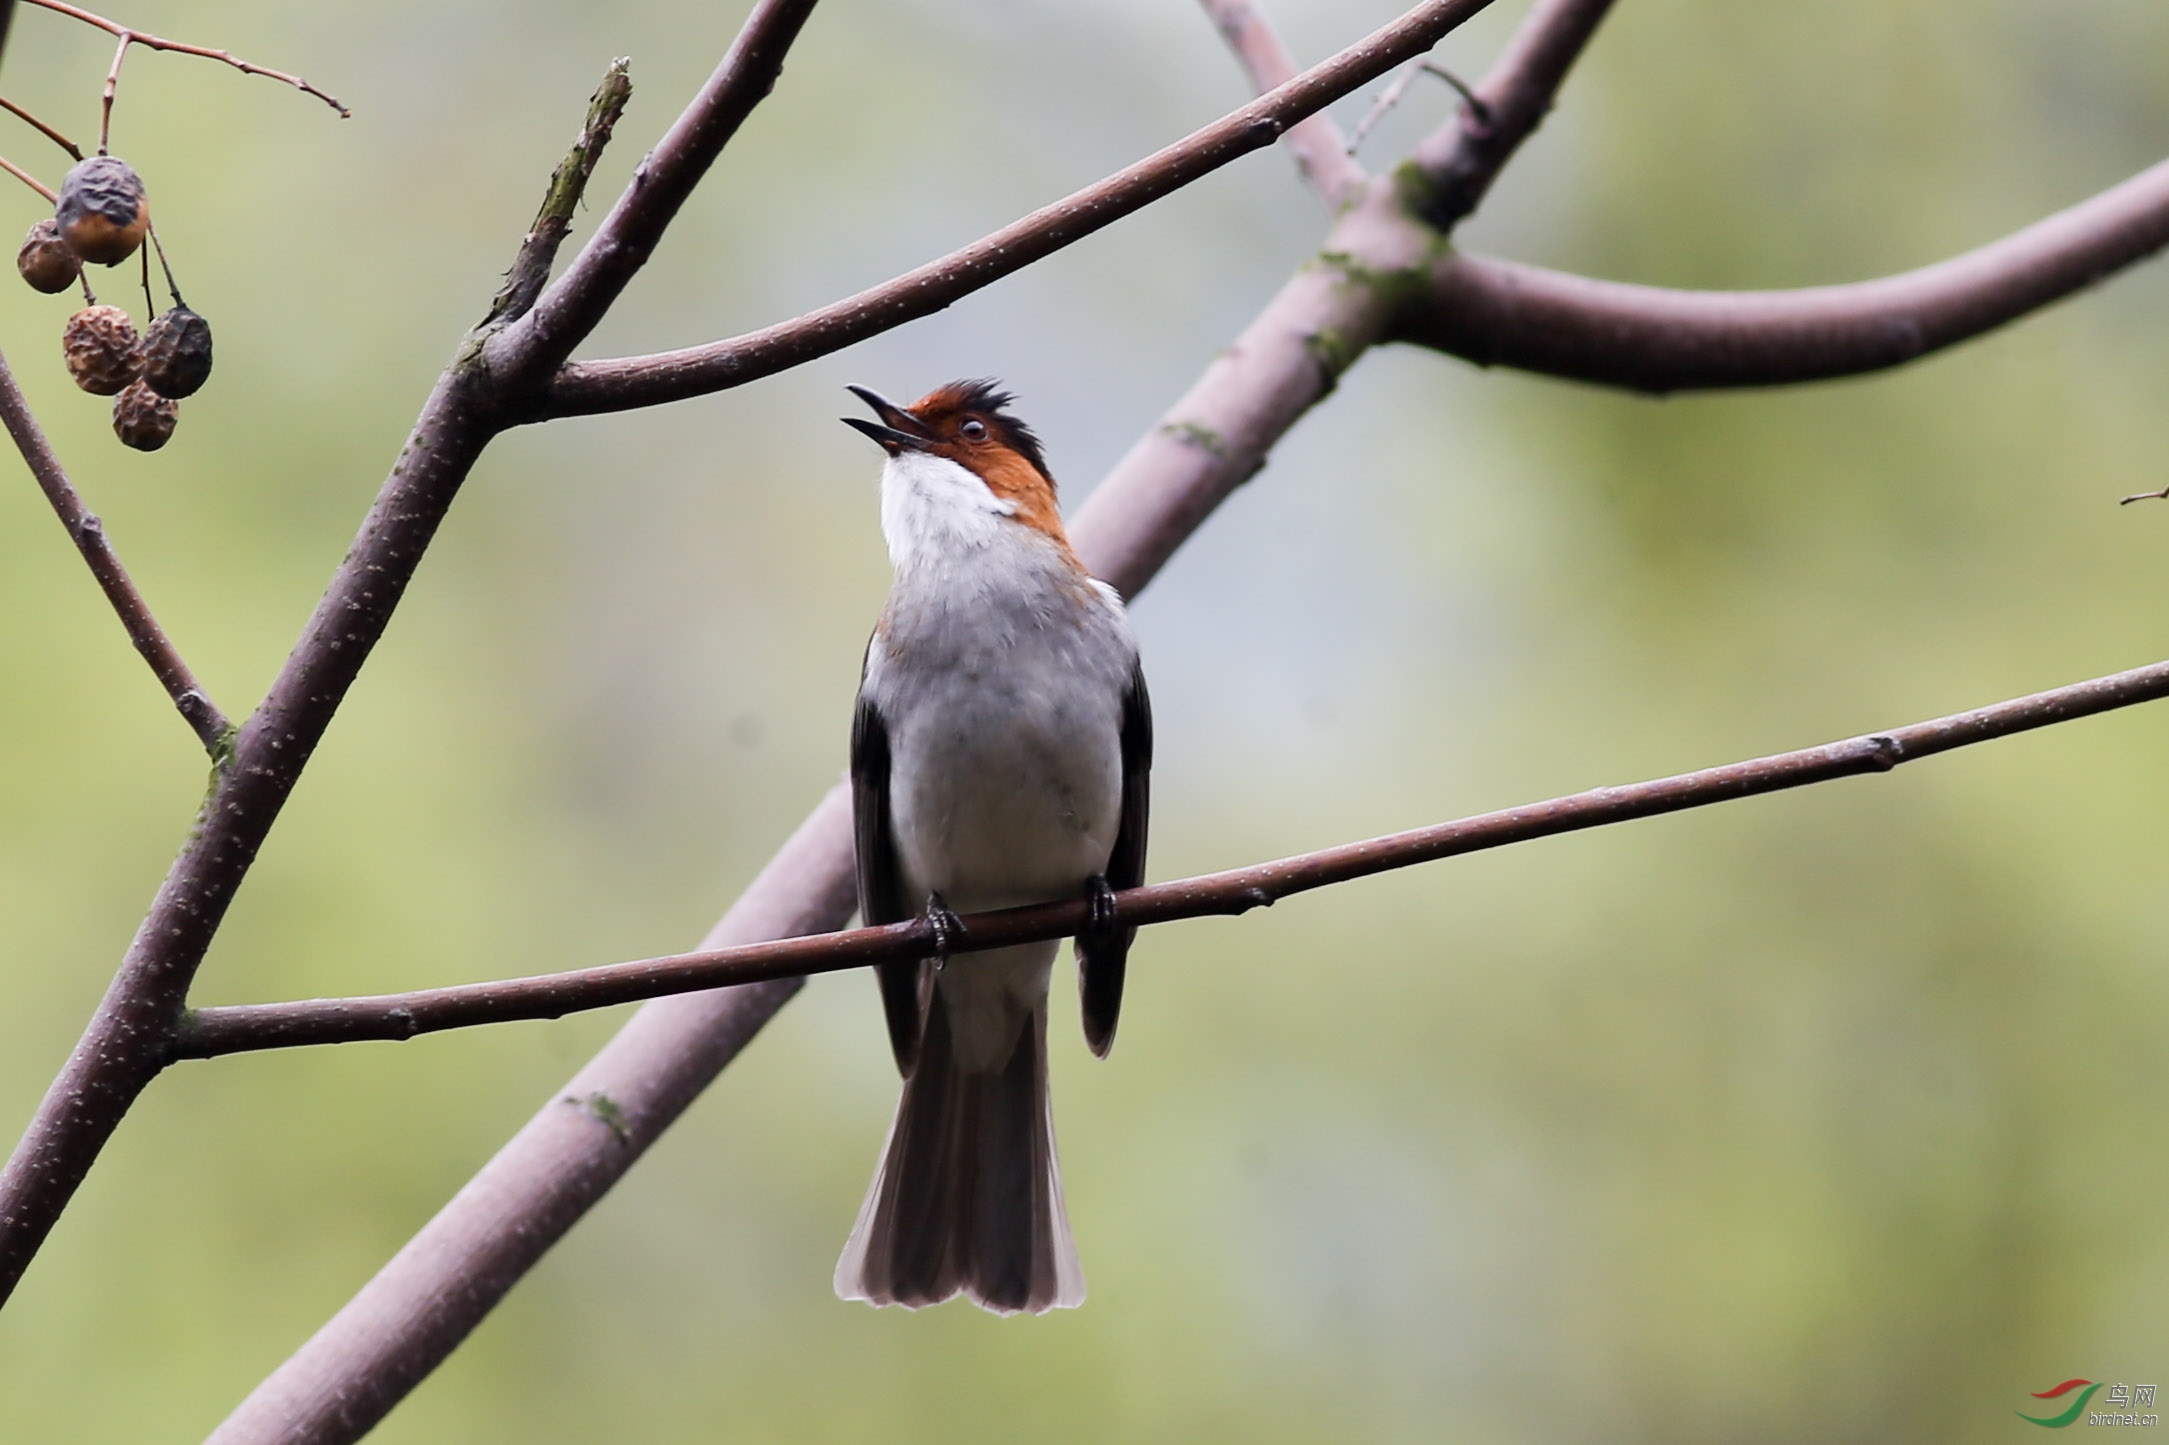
[948, 929]
[1099, 906]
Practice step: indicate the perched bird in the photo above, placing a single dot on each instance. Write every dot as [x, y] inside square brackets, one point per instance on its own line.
[1000, 754]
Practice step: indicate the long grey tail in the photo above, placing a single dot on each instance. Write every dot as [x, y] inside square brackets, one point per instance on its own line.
[968, 1198]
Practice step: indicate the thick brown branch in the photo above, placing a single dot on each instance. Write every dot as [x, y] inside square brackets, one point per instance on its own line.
[626, 382]
[1321, 155]
[88, 534]
[1457, 163]
[214, 1031]
[1646, 338]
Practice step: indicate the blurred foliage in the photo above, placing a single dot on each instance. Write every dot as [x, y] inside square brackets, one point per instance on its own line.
[1821, 1116]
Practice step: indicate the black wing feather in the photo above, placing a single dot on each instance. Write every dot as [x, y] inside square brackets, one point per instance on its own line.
[1102, 960]
[880, 886]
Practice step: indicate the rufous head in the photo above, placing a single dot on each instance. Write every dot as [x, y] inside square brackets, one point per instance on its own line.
[968, 423]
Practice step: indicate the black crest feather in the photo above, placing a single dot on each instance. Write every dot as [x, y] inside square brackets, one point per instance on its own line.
[986, 396]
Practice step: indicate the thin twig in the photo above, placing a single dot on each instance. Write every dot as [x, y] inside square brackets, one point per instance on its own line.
[620, 384]
[1315, 141]
[1391, 97]
[51, 134]
[173, 287]
[1477, 105]
[2161, 495]
[29, 180]
[88, 534]
[112, 87]
[129, 36]
[1458, 162]
[1387, 100]
[234, 1029]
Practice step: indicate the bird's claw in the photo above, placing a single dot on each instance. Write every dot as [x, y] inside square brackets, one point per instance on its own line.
[947, 928]
[1099, 905]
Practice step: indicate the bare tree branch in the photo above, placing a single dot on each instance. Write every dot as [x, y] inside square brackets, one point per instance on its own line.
[616, 385]
[214, 1031]
[1646, 338]
[88, 533]
[1321, 155]
[1458, 162]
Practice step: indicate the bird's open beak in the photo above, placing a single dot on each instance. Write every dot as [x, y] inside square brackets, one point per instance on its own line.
[897, 431]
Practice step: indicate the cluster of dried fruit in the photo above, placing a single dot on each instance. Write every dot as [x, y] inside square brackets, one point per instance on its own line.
[103, 216]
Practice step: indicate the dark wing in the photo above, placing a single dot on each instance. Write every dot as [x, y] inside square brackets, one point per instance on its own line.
[1102, 959]
[880, 889]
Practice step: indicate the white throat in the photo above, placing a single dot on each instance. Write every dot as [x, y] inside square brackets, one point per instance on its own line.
[933, 508]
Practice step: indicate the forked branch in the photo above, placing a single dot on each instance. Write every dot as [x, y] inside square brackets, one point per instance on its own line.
[1323, 158]
[635, 381]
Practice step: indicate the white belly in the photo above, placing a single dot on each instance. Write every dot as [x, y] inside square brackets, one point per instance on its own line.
[998, 800]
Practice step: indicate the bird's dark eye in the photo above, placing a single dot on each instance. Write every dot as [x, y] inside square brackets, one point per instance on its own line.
[974, 429]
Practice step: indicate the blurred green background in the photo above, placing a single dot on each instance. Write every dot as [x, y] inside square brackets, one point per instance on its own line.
[1830, 1115]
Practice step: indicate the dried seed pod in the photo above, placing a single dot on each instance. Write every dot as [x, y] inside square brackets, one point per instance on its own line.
[177, 353]
[103, 212]
[144, 419]
[104, 354]
[47, 262]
